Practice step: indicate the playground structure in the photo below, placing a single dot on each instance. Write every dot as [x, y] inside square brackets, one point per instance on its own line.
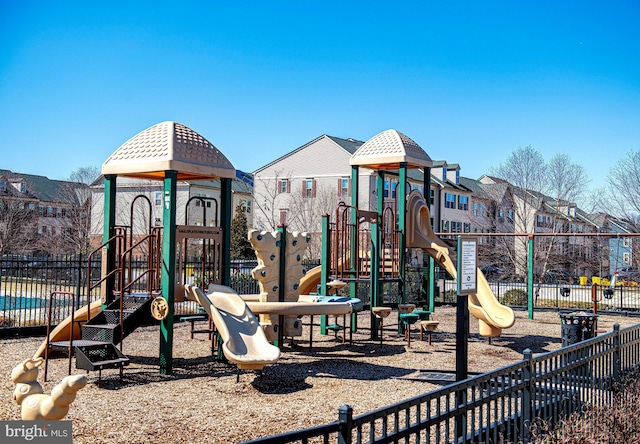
[360, 245]
[171, 152]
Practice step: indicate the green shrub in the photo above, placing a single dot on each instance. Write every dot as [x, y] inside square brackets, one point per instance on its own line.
[515, 296]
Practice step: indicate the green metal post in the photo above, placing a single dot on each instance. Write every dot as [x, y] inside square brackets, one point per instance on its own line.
[375, 278]
[353, 252]
[530, 264]
[282, 280]
[168, 269]
[428, 284]
[432, 284]
[109, 258]
[401, 196]
[324, 273]
[226, 211]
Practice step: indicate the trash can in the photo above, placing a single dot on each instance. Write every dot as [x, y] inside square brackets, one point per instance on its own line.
[577, 326]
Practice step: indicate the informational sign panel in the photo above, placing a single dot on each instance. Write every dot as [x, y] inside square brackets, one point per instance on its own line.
[467, 266]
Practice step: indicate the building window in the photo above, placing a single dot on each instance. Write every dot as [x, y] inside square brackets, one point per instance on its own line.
[449, 200]
[345, 189]
[626, 242]
[246, 205]
[445, 226]
[626, 257]
[309, 188]
[510, 215]
[394, 187]
[158, 198]
[482, 210]
[475, 208]
[463, 203]
[157, 222]
[467, 227]
[432, 194]
[3, 185]
[283, 186]
[457, 176]
[456, 227]
[283, 216]
[386, 189]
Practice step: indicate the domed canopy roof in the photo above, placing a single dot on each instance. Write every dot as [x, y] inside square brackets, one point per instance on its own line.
[388, 150]
[169, 146]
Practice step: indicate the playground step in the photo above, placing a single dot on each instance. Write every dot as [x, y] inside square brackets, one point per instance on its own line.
[64, 345]
[101, 332]
[99, 356]
[113, 316]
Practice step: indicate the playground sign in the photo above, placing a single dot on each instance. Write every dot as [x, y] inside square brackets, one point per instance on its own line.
[467, 269]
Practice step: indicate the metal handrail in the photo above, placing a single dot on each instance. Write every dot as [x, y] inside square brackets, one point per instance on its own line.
[121, 284]
[48, 340]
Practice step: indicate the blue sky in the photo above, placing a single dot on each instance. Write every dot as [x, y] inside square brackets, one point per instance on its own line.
[469, 81]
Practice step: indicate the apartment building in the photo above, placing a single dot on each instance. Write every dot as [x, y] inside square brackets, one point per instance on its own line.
[41, 215]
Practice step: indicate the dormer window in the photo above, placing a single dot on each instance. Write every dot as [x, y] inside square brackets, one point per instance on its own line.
[3, 185]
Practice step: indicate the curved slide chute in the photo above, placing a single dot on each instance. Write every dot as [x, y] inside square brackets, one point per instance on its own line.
[491, 314]
[310, 281]
[244, 341]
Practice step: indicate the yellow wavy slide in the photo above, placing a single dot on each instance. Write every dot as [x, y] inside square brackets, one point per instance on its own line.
[244, 341]
[491, 314]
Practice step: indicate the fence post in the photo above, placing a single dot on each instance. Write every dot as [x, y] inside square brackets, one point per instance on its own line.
[527, 396]
[78, 280]
[616, 351]
[345, 418]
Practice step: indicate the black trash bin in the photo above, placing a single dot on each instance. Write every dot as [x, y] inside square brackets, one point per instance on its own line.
[577, 326]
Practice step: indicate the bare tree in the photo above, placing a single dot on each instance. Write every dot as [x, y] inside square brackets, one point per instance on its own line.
[17, 224]
[86, 175]
[525, 171]
[307, 214]
[269, 198]
[543, 196]
[624, 187]
[567, 181]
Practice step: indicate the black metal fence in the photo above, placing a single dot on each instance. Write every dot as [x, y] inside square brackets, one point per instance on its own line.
[498, 406]
[27, 281]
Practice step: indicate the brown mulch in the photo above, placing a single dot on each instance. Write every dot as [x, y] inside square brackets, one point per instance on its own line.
[202, 403]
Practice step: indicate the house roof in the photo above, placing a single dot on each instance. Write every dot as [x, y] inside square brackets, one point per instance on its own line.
[389, 149]
[349, 145]
[169, 146]
[42, 188]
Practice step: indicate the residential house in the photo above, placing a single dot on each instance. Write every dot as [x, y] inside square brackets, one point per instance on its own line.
[41, 215]
[297, 188]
